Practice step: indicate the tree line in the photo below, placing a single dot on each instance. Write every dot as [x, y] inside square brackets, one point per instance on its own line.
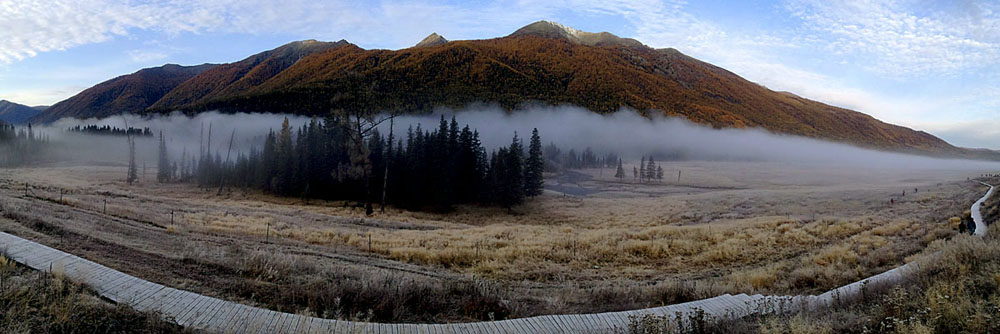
[110, 130]
[573, 160]
[19, 145]
[327, 159]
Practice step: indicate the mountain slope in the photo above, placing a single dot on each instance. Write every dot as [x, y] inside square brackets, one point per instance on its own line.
[543, 62]
[14, 113]
[514, 70]
[228, 79]
[128, 93]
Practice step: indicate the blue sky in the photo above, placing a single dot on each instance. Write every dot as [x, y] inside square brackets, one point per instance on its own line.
[934, 66]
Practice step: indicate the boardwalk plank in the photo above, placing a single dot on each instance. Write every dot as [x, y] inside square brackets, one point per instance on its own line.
[216, 309]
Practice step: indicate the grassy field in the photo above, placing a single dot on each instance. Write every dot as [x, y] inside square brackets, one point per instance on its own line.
[956, 289]
[724, 227]
[36, 302]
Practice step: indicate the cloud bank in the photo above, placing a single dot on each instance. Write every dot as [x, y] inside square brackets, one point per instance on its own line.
[625, 133]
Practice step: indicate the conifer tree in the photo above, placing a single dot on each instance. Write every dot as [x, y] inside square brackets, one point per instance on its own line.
[284, 159]
[511, 181]
[533, 178]
[659, 173]
[163, 170]
[650, 169]
[620, 173]
[642, 169]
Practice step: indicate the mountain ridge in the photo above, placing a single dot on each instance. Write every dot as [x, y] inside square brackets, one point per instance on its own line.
[127, 93]
[16, 113]
[543, 62]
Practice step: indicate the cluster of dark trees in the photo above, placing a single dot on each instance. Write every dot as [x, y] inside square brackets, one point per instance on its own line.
[573, 160]
[19, 145]
[429, 170]
[647, 171]
[113, 131]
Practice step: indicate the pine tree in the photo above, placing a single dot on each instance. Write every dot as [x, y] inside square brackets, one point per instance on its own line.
[659, 173]
[620, 173]
[163, 170]
[511, 174]
[533, 178]
[285, 160]
[650, 169]
[635, 173]
[642, 169]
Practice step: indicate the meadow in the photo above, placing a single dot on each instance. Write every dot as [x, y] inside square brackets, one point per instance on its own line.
[723, 227]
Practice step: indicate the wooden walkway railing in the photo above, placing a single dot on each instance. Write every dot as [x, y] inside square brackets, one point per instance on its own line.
[215, 315]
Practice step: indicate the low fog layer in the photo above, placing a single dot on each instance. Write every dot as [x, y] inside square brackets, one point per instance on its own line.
[625, 133]
[182, 133]
[632, 136]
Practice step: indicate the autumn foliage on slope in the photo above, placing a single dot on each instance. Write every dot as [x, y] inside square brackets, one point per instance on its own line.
[513, 71]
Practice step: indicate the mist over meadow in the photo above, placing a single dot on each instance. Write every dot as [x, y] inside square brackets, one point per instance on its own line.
[625, 133]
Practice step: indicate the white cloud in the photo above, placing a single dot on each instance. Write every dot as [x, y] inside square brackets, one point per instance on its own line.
[897, 42]
[146, 56]
[31, 27]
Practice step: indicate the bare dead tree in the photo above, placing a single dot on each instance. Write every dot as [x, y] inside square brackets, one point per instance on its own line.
[359, 126]
[133, 173]
[385, 177]
[228, 152]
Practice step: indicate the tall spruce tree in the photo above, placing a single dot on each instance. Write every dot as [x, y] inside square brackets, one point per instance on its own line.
[650, 169]
[163, 170]
[533, 177]
[285, 160]
[512, 171]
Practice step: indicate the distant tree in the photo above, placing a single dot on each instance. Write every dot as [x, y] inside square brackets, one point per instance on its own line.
[133, 173]
[659, 173]
[163, 169]
[610, 160]
[650, 169]
[635, 173]
[533, 179]
[642, 169]
[552, 152]
[620, 173]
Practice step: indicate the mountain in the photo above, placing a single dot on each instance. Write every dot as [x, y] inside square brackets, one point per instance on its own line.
[14, 113]
[432, 40]
[557, 31]
[231, 79]
[129, 93]
[543, 62]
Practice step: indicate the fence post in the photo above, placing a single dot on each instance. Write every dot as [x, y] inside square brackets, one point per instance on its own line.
[171, 217]
[369, 242]
[267, 235]
[105, 206]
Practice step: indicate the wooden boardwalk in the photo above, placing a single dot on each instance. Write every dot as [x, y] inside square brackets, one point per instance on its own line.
[215, 315]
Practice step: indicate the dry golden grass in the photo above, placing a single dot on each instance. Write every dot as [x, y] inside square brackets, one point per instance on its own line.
[727, 227]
